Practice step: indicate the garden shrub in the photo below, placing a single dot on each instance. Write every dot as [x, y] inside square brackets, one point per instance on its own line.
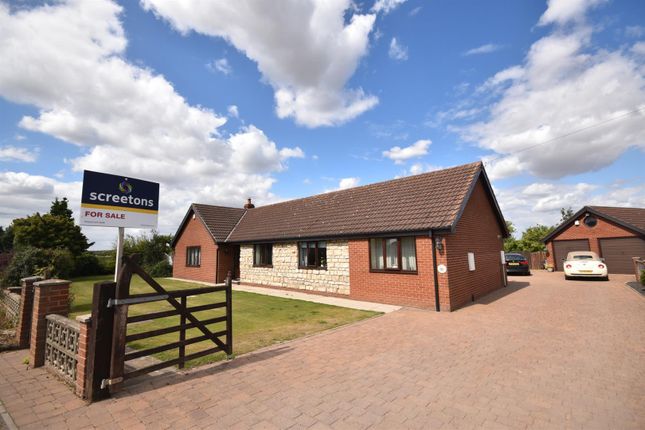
[161, 269]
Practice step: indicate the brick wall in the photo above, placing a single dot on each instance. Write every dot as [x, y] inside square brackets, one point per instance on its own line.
[477, 231]
[195, 234]
[396, 288]
[603, 229]
[285, 271]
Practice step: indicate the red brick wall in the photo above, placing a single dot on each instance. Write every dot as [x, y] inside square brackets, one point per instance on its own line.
[477, 231]
[603, 229]
[395, 288]
[195, 234]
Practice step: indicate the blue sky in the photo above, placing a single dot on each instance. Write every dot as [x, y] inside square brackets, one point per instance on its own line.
[224, 100]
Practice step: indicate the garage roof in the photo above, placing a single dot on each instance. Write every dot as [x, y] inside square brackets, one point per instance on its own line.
[631, 218]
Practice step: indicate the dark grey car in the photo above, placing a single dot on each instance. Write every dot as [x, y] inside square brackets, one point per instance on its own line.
[517, 264]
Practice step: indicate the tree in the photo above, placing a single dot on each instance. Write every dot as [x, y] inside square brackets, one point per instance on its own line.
[532, 238]
[6, 239]
[54, 230]
[60, 208]
[510, 243]
[565, 214]
[153, 248]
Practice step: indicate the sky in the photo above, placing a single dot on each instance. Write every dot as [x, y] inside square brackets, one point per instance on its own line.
[219, 101]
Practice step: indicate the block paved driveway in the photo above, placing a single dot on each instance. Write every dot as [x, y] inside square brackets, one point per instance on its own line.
[543, 353]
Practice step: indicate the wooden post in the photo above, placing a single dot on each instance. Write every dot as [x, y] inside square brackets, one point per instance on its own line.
[229, 315]
[100, 341]
[117, 363]
[182, 334]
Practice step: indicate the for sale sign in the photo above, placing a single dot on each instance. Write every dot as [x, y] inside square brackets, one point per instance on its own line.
[118, 201]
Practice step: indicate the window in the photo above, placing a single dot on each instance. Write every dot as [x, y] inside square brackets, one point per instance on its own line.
[312, 255]
[393, 254]
[590, 221]
[263, 255]
[193, 256]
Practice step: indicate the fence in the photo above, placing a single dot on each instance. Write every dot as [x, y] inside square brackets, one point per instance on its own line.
[61, 346]
[536, 259]
[11, 302]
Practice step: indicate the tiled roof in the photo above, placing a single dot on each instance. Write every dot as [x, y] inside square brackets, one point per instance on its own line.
[631, 218]
[634, 217]
[219, 220]
[413, 203]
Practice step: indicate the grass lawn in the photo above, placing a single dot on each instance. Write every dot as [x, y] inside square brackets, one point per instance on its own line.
[258, 320]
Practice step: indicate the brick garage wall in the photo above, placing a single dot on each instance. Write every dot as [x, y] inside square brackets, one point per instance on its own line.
[285, 272]
[195, 234]
[603, 229]
[415, 290]
[477, 231]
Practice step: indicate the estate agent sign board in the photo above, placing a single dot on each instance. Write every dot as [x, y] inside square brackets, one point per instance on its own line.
[118, 201]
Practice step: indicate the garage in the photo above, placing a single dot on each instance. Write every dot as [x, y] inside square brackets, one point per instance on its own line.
[616, 234]
[618, 253]
[563, 247]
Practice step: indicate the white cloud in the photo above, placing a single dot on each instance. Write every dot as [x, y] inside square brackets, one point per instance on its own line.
[126, 119]
[564, 11]
[387, 6]
[220, 65]
[417, 149]
[344, 184]
[564, 110]
[483, 49]
[540, 202]
[397, 51]
[233, 111]
[291, 153]
[15, 153]
[638, 48]
[309, 79]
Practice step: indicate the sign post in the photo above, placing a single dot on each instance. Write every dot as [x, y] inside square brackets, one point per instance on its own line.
[118, 201]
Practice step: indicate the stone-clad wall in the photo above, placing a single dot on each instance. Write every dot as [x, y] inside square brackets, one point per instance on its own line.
[285, 272]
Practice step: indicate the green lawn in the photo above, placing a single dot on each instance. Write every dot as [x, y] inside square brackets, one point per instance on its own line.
[258, 320]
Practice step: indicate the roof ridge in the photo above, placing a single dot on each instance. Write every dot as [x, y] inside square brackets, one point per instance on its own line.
[373, 184]
[216, 206]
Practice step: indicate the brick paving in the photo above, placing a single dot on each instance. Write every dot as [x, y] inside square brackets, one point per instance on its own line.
[543, 353]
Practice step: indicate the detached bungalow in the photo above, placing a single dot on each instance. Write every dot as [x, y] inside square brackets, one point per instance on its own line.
[432, 240]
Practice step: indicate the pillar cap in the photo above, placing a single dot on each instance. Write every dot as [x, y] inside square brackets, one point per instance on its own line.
[51, 282]
[85, 319]
[32, 279]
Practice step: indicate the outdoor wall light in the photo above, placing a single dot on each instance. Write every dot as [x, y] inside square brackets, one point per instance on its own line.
[439, 243]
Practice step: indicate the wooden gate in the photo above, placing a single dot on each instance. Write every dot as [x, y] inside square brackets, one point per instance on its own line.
[178, 299]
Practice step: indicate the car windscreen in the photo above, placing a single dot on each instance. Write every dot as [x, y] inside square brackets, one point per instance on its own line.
[515, 257]
[583, 257]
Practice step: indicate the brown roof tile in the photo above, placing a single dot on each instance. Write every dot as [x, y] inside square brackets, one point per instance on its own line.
[414, 203]
[634, 217]
[219, 220]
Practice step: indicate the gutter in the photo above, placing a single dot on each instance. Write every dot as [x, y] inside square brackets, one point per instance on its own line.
[437, 307]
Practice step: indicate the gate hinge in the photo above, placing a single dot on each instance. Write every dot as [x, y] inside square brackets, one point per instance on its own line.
[107, 382]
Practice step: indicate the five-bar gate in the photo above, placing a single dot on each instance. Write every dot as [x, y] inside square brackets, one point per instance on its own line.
[179, 300]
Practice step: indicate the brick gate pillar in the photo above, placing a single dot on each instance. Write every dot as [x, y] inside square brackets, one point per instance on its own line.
[26, 306]
[84, 322]
[50, 297]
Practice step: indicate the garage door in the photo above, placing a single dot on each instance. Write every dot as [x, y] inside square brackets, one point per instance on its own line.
[618, 253]
[562, 247]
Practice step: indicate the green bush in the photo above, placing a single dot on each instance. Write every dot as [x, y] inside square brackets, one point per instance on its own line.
[643, 277]
[48, 263]
[87, 264]
[161, 269]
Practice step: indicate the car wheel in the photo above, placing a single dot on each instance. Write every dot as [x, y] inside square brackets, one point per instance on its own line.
[567, 277]
[606, 278]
